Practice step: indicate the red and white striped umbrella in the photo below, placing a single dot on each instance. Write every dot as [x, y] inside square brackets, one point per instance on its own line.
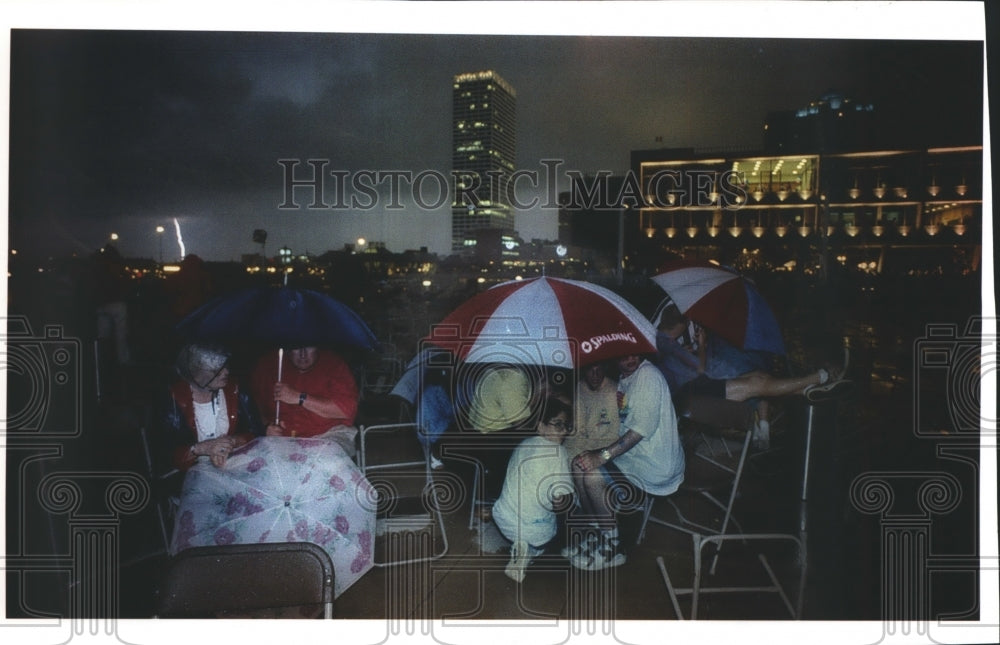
[723, 301]
[545, 321]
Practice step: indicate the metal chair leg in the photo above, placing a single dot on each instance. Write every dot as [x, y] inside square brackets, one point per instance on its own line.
[776, 587]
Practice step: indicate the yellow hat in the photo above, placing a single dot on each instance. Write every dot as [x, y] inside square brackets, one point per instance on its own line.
[501, 400]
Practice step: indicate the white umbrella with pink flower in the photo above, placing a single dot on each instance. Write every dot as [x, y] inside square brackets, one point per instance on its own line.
[283, 489]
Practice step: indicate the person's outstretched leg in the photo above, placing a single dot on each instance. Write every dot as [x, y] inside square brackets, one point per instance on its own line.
[761, 384]
[757, 384]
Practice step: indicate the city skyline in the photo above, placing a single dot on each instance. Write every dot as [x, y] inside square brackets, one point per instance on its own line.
[122, 132]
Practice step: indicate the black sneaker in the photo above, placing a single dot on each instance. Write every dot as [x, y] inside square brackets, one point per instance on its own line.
[580, 543]
[604, 553]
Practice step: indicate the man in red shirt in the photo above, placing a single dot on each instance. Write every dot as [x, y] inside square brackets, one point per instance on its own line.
[317, 393]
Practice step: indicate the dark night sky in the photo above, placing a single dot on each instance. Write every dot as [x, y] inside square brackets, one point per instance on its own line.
[126, 130]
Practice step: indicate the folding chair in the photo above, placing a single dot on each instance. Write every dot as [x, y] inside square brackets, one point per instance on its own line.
[242, 578]
[416, 511]
[379, 374]
[376, 403]
[488, 456]
[709, 421]
[697, 590]
[165, 484]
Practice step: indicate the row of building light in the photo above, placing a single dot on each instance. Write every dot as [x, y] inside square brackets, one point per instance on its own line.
[852, 230]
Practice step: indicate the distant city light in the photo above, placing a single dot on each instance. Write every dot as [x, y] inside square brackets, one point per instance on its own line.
[159, 235]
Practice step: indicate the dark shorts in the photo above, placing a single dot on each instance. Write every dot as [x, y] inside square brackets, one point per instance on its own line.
[704, 386]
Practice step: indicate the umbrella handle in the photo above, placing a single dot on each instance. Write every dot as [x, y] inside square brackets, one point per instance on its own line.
[277, 404]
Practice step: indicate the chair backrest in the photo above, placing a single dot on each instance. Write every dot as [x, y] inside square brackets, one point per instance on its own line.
[204, 581]
[405, 450]
[165, 483]
[379, 375]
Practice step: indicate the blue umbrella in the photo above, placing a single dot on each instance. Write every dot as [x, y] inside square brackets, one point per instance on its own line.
[285, 317]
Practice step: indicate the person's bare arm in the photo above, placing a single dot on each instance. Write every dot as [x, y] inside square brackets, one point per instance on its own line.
[592, 459]
[318, 405]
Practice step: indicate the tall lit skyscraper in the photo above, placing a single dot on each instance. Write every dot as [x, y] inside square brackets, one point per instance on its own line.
[483, 147]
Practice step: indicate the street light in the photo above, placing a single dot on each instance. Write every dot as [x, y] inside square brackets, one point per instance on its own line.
[159, 234]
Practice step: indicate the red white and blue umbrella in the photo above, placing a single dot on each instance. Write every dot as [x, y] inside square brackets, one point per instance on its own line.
[724, 302]
[545, 321]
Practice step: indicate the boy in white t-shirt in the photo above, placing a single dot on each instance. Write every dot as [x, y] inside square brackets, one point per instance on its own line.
[536, 486]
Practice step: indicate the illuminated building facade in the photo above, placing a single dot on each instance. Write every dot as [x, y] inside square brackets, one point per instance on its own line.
[875, 200]
[835, 180]
[483, 154]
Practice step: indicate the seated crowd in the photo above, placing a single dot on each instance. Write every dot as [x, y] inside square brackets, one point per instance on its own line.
[591, 450]
[599, 449]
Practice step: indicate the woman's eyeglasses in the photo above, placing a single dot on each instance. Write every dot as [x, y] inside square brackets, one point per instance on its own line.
[225, 366]
[559, 424]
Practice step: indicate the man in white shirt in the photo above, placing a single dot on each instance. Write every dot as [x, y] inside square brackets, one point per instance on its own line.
[648, 454]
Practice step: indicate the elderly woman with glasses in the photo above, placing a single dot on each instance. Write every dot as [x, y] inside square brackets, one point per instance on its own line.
[207, 415]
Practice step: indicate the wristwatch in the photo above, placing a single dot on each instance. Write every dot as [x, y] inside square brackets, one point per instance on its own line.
[302, 398]
[606, 455]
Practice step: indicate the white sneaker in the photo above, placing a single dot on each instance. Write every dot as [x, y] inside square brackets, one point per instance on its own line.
[436, 464]
[521, 555]
[829, 391]
[603, 554]
[762, 435]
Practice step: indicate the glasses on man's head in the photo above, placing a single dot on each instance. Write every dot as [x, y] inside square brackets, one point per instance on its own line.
[559, 424]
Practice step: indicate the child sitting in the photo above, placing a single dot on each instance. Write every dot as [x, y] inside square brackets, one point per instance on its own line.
[537, 485]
